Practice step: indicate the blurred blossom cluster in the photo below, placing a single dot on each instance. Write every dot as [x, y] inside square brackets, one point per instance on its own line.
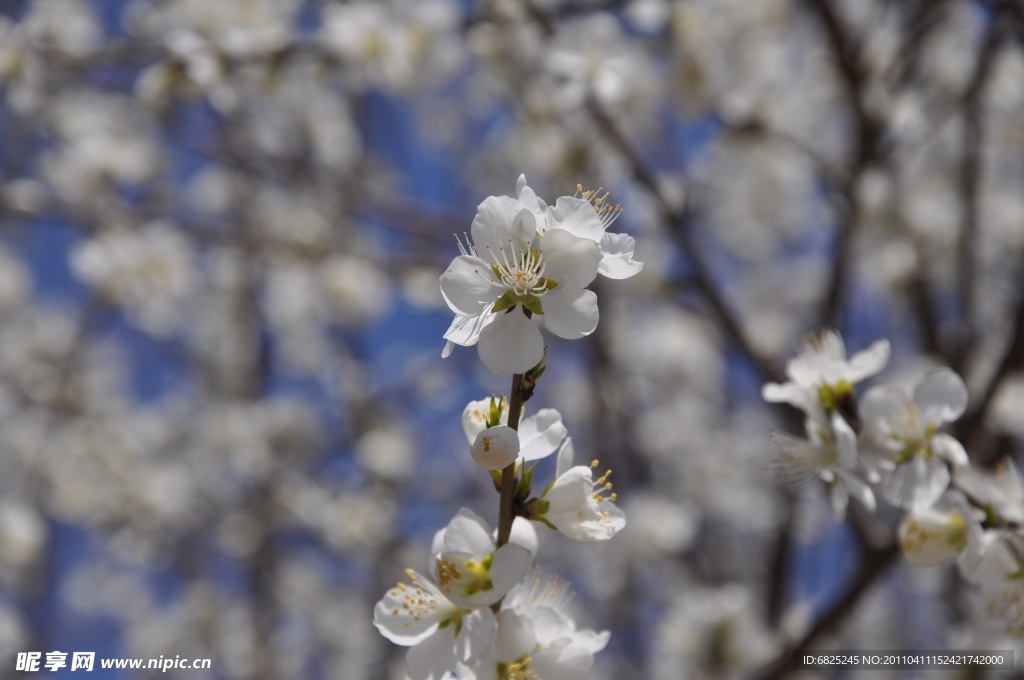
[227, 280]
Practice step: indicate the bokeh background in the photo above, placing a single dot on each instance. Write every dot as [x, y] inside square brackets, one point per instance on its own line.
[225, 425]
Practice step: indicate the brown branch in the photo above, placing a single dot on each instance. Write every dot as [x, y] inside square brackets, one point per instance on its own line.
[969, 429]
[874, 564]
[508, 475]
[680, 221]
[866, 133]
[970, 187]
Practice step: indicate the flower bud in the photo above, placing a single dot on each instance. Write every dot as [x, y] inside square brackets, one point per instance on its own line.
[931, 538]
[496, 447]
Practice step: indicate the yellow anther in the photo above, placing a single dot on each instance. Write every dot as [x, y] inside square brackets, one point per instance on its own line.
[594, 463]
[614, 496]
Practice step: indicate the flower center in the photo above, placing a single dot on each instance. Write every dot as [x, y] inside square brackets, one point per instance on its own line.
[467, 576]
[417, 601]
[523, 273]
[520, 670]
[915, 437]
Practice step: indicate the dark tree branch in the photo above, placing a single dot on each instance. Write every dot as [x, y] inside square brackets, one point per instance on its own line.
[865, 149]
[875, 563]
[970, 187]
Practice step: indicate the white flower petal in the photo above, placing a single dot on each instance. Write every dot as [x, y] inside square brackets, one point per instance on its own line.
[858, 489]
[917, 484]
[465, 330]
[476, 640]
[433, 658]
[496, 447]
[948, 448]
[436, 548]
[566, 454]
[515, 636]
[617, 257]
[563, 660]
[474, 418]
[846, 441]
[885, 410]
[941, 397]
[570, 491]
[410, 626]
[529, 198]
[541, 433]
[512, 343]
[932, 538]
[466, 285]
[499, 219]
[394, 627]
[570, 313]
[468, 533]
[591, 640]
[524, 534]
[789, 393]
[579, 218]
[868, 362]
[569, 260]
[840, 500]
[511, 562]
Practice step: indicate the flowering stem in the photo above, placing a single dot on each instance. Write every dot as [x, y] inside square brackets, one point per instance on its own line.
[508, 475]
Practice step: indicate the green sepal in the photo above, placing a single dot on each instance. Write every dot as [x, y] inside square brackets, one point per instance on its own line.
[549, 284]
[534, 374]
[538, 507]
[533, 304]
[458, 626]
[489, 585]
[444, 624]
[546, 523]
[547, 488]
[525, 483]
[494, 415]
[507, 300]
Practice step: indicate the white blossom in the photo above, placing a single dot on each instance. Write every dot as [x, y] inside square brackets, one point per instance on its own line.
[574, 502]
[934, 536]
[439, 632]
[821, 378]
[510, 269]
[536, 638]
[830, 453]
[496, 447]
[468, 566]
[914, 456]
[539, 434]
[586, 214]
